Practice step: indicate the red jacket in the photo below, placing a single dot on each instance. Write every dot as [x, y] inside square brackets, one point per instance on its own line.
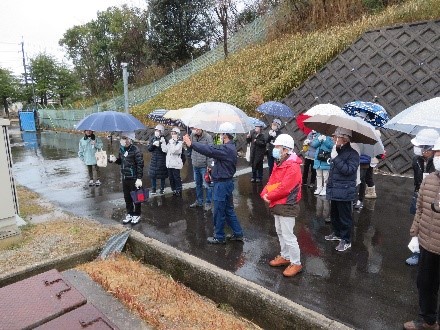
[284, 185]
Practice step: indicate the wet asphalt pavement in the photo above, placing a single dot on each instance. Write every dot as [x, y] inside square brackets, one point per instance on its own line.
[368, 286]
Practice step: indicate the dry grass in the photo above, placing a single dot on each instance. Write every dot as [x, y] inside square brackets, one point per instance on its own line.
[30, 203]
[158, 299]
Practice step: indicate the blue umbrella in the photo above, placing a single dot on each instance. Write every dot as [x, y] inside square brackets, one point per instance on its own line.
[276, 109]
[257, 122]
[372, 113]
[110, 121]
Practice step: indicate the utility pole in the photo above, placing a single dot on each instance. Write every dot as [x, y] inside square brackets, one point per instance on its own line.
[24, 62]
[125, 80]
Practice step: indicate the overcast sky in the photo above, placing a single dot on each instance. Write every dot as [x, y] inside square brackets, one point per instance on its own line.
[42, 23]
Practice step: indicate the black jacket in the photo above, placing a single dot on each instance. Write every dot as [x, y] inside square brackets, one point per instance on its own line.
[131, 161]
[158, 166]
[258, 148]
[418, 165]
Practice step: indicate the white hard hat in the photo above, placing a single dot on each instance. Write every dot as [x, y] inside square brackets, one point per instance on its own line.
[175, 129]
[343, 131]
[130, 135]
[284, 140]
[436, 146]
[425, 137]
[159, 127]
[226, 127]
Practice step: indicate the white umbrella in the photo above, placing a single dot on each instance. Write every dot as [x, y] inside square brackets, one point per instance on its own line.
[210, 115]
[362, 131]
[421, 115]
[325, 109]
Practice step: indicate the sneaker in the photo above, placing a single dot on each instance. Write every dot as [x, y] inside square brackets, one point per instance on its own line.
[312, 185]
[97, 183]
[135, 219]
[418, 325]
[234, 237]
[342, 246]
[252, 180]
[91, 183]
[207, 207]
[327, 220]
[413, 260]
[195, 204]
[213, 240]
[317, 191]
[279, 261]
[257, 180]
[178, 193]
[322, 193]
[292, 270]
[127, 219]
[161, 191]
[359, 205]
[153, 192]
[332, 237]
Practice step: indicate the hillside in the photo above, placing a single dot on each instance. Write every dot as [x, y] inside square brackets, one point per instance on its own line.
[270, 71]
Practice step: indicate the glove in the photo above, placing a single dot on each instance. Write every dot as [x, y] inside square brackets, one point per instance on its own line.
[112, 159]
[272, 133]
[162, 140]
[171, 141]
[321, 138]
[334, 153]
[156, 143]
[414, 245]
[138, 183]
[306, 142]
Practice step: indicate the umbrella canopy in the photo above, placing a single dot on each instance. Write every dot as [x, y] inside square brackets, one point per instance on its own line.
[362, 131]
[421, 115]
[157, 115]
[324, 109]
[110, 121]
[257, 122]
[210, 115]
[300, 123]
[372, 113]
[276, 109]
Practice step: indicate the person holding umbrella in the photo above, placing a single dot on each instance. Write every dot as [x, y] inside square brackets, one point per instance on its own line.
[223, 171]
[88, 146]
[258, 149]
[272, 135]
[132, 170]
[341, 188]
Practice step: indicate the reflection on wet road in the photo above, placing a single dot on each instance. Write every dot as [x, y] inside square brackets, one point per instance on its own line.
[367, 287]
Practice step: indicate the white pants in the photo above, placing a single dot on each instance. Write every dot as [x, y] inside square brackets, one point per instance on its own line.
[288, 242]
[321, 178]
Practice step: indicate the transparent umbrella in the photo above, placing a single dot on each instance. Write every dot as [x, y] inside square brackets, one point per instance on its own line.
[210, 115]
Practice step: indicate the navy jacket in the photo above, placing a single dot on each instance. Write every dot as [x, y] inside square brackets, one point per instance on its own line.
[225, 159]
[158, 166]
[341, 184]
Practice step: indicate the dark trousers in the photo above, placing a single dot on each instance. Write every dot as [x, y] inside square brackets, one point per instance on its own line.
[93, 172]
[257, 170]
[154, 183]
[428, 279]
[366, 176]
[308, 163]
[127, 187]
[341, 218]
[270, 162]
[175, 179]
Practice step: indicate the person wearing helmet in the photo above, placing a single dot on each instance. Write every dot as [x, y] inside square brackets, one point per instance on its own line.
[341, 188]
[225, 161]
[258, 149]
[201, 164]
[131, 160]
[283, 193]
[88, 146]
[422, 165]
[425, 231]
[158, 168]
[174, 161]
[272, 135]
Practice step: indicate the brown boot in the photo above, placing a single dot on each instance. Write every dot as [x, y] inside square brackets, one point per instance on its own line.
[370, 192]
[292, 270]
[420, 325]
[279, 261]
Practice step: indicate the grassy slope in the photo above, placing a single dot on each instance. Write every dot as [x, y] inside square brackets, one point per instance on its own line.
[270, 71]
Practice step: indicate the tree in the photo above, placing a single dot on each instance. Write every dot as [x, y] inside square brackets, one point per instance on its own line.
[179, 30]
[9, 88]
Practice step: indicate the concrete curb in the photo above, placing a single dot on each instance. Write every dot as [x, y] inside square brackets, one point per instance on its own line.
[252, 301]
[61, 263]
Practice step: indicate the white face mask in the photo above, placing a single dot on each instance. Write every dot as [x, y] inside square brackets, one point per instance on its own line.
[123, 142]
[156, 134]
[174, 137]
[274, 127]
[417, 151]
[436, 162]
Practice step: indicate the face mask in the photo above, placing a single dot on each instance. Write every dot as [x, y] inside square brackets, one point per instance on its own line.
[276, 153]
[436, 162]
[274, 127]
[174, 137]
[156, 134]
[417, 151]
[123, 141]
